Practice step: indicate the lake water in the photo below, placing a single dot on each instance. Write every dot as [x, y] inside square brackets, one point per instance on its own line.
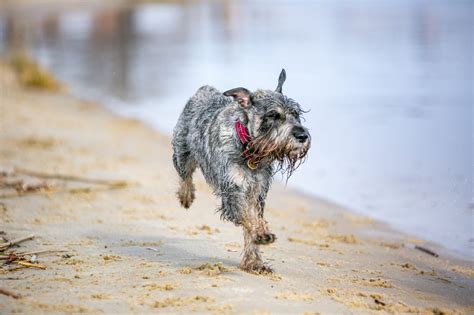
[388, 85]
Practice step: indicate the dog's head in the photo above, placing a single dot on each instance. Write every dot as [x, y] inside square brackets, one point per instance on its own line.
[274, 124]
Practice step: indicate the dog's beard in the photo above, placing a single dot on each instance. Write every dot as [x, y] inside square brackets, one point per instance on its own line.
[287, 157]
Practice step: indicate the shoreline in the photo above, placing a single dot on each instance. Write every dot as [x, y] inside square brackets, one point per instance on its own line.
[437, 248]
[327, 259]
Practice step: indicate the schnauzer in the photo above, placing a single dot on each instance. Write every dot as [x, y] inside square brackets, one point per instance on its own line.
[239, 140]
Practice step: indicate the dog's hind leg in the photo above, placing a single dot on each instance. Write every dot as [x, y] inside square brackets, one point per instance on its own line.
[185, 165]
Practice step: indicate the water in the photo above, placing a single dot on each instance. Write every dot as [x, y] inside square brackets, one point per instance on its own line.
[388, 83]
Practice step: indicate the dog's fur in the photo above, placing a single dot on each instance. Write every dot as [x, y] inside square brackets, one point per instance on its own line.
[205, 136]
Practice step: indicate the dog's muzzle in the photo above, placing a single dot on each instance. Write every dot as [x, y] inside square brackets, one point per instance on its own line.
[300, 134]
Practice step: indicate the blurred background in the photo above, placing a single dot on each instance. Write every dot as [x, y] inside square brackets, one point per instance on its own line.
[389, 86]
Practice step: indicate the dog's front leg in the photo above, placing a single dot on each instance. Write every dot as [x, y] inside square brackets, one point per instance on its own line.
[252, 260]
[242, 208]
[255, 233]
[263, 234]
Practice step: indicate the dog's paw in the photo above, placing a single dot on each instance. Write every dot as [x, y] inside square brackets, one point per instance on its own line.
[185, 201]
[259, 269]
[186, 195]
[263, 269]
[265, 239]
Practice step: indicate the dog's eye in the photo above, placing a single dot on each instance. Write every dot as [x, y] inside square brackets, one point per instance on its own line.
[274, 115]
[295, 114]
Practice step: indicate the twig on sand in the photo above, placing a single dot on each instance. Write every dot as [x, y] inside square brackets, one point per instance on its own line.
[426, 251]
[7, 245]
[42, 252]
[44, 188]
[27, 264]
[111, 183]
[83, 190]
[20, 255]
[9, 293]
[21, 187]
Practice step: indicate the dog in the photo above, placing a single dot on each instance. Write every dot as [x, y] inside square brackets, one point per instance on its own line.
[240, 139]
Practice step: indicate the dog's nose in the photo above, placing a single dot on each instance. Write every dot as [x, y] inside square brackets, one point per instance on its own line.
[300, 134]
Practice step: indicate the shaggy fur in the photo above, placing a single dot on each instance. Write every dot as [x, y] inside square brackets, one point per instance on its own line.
[205, 136]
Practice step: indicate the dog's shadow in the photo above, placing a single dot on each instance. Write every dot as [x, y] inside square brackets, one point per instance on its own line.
[174, 252]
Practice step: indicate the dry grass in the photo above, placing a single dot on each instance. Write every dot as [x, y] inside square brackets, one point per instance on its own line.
[32, 75]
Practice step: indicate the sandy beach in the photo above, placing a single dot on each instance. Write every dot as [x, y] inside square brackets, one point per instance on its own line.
[101, 189]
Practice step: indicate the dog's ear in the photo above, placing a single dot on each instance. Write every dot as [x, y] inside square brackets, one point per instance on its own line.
[241, 95]
[281, 80]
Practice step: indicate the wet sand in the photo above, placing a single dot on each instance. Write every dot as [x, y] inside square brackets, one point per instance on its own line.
[132, 249]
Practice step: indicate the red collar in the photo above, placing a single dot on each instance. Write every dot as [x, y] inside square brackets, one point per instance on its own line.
[244, 137]
[242, 132]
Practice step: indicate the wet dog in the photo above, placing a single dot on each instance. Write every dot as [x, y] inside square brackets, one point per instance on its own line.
[240, 139]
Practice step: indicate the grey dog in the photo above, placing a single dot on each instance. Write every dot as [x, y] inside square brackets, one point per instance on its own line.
[239, 140]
